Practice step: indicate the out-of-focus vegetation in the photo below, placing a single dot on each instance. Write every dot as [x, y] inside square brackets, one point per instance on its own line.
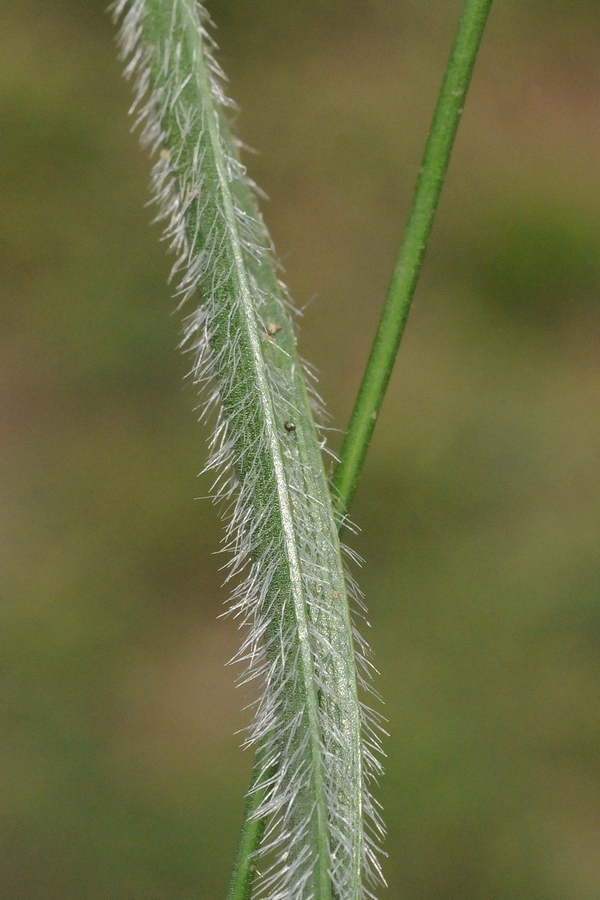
[120, 774]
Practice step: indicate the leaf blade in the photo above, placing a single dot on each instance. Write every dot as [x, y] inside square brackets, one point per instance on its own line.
[282, 534]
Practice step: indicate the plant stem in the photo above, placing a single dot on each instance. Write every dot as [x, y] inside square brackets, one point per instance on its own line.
[250, 838]
[389, 333]
[406, 273]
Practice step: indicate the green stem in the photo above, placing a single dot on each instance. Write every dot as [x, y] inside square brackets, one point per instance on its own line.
[389, 333]
[250, 838]
[408, 266]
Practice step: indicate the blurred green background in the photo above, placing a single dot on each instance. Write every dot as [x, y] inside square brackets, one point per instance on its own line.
[121, 776]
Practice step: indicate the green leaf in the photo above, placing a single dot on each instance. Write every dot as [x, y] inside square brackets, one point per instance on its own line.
[285, 558]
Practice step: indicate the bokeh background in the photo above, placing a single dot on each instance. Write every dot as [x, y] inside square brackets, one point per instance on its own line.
[121, 776]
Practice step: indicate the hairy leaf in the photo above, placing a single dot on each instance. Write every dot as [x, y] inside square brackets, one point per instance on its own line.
[285, 561]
